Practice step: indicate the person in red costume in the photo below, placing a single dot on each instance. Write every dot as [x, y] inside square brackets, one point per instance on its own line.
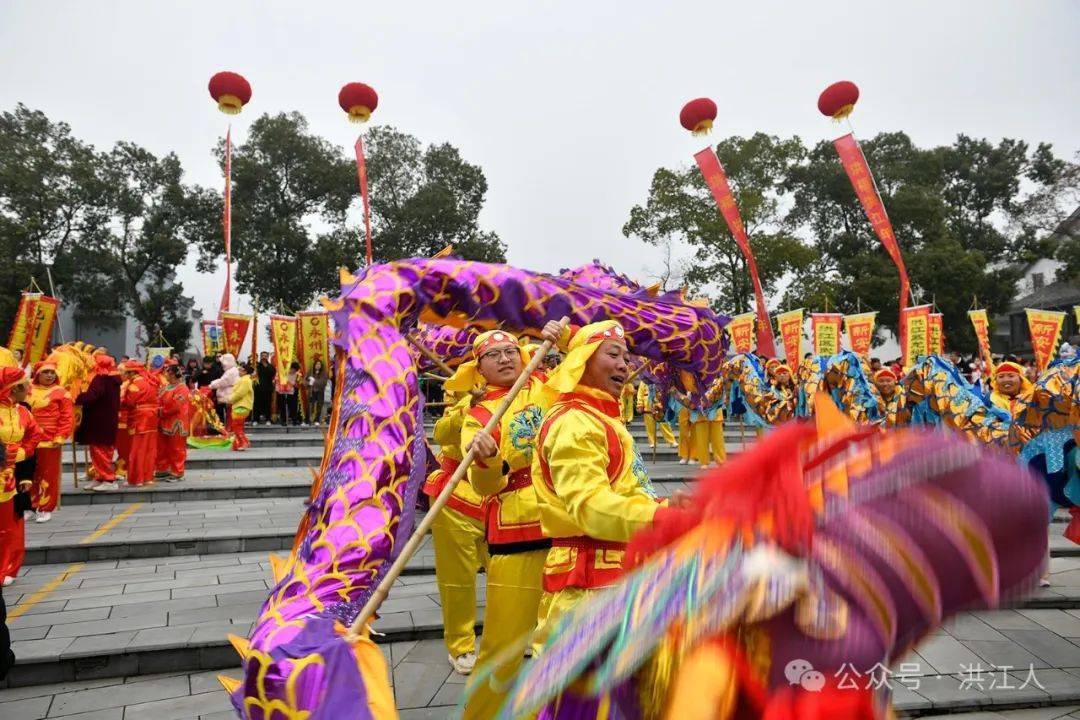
[140, 399]
[100, 404]
[20, 436]
[174, 414]
[54, 413]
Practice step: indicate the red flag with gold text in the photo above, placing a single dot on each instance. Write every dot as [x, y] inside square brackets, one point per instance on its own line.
[1045, 329]
[713, 172]
[234, 328]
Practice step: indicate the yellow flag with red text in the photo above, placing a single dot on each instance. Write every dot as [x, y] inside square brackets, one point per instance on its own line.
[860, 332]
[283, 338]
[790, 325]
[314, 338]
[24, 314]
[741, 331]
[915, 330]
[39, 331]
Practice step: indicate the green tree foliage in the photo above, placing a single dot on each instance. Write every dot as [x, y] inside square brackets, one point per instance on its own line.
[968, 217]
[680, 206]
[423, 199]
[113, 226]
[297, 216]
[953, 210]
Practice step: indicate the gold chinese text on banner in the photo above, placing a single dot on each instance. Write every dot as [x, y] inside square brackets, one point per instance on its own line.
[212, 338]
[283, 338]
[741, 331]
[39, 330]
[915, 329]
[1045, 329]
[860, 332]
[826, 330]
[981, 324]
[936, 328]
[713, 172]
[790, 326]
[314, 340]
[234, 327]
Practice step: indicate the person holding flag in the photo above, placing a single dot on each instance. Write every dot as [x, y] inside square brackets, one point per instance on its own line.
[54, 413]
[502, 473]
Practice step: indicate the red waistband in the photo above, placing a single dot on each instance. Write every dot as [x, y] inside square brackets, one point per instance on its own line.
[583, 542]
[519, 480]
[448, 464]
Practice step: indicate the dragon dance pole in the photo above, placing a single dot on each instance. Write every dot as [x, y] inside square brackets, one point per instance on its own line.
[413, 544]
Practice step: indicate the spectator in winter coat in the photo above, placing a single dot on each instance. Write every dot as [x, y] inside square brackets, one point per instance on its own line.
[100, 417]
[264, 389]
[223, 386]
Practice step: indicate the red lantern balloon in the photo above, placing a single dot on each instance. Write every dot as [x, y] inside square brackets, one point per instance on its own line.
[231, 92]
[838, 100]
[359, 100]
[697, 115]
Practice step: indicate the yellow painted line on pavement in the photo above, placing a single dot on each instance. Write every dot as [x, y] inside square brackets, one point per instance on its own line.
[47, 588]
[42, 593]
[106, 527]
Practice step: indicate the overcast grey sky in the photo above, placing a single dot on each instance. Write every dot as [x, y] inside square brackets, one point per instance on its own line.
[569, 107]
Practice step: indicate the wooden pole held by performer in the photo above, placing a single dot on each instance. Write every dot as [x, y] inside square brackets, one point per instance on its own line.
[413, 543]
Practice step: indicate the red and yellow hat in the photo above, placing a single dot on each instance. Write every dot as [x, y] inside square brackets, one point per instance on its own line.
[467, 376]
[1008, 367]
[10, 378]
[582, 346]
[43, 365]
[885, 372]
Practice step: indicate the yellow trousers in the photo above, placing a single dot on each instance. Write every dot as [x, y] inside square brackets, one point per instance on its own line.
[460, 551]
[686, 438]
[555, 606]
[709, 434]
[514, 590]
[665, 429]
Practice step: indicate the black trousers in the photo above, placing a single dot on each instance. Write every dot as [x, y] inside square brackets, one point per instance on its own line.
[288, 411]
[261, 411]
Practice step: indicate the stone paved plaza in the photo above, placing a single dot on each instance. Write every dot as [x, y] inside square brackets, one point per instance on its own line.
[123, 608]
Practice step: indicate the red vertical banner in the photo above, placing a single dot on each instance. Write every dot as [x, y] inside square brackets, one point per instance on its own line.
[226, 221]
[1045, 328]
[826, 331]
[915, 332]
[361, 174]
[862, 181]
[936, 328]
[234, 327]
[717, 181]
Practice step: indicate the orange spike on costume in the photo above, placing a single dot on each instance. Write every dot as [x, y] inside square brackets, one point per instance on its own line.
[279, 567]
[241, 645]
[230, 684]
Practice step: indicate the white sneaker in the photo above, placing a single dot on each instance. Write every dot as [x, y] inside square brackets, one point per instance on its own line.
[463, 664]
[108, 486]
[43, 517]
[28, 515]
[92, 485]
[8, 581]
[682, 461]
[1044, 582]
